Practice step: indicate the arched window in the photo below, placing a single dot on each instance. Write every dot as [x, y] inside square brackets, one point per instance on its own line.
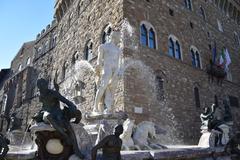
[144, 35]
[106, 34]
[196, 60]
[152, 40]
[75, 57]
[216, 100]
[64, 68]
[148, 35]
[236, 39]
[230, 10]
[88, 51]
[39, 50]
[225, 6]
[193, 58]
[28, 61]
[19, 67]
[171, 50]
[197, 97]
[174, 47]
[188, 4]
[178, 51]
[198, 63]
[220, 27]
[203, 13]
[54, 41]
[160, 89]
[45, 47]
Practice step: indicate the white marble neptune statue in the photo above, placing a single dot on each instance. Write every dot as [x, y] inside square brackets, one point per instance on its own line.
[107, 74]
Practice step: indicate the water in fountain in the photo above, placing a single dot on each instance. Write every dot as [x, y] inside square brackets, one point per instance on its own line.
[146, 74]
[21, 144]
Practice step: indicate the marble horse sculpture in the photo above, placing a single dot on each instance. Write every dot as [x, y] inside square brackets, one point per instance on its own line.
[126, 137]
[140, 137]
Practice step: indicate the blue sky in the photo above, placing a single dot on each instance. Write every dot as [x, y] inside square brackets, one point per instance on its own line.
[21, 21]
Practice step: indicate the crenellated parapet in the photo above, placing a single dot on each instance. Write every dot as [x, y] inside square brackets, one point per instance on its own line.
[44, 31]
[45, 40]
[61, 6]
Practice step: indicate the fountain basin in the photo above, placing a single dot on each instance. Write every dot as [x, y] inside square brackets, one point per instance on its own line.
[186, 153]
[20, 153]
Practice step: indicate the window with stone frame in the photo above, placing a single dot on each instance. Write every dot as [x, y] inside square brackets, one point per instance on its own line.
[178, 51]
[53, 41]
[202, 12]
[45, 47]
[160, 88]
[221, 4]
[148, 35]
[230, 10]
[28, 61]
[225, 7]
[78, 95]
[188, 4]
[216, 101]
[238, 18]
[196, 59]
[197, 97]
[19, 67]
[88, 53]
[234, 13]
[174, 47]
[236, 39]
[39, 50]
[106, 34]
[64, 69]
[152, 39]
[229, 75]
[75, 57]
[144, 35]
[233, 101]
[171, 50]
[220, 27]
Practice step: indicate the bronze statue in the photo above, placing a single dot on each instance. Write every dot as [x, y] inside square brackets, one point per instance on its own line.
[16, 122]
[233, 146]
[59, 119]
[4, 142]
[111, 146]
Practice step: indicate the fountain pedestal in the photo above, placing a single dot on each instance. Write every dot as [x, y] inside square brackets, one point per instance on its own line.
[102, 125]
[52, 145]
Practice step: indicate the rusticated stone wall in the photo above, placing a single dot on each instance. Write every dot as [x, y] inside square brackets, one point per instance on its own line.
[176, 111]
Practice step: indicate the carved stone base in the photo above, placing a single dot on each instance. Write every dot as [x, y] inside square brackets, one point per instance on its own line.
[45, 141]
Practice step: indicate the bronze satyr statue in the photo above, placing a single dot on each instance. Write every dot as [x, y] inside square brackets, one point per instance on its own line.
[59, 119]
[4, 142]
[233, 146]
[16, 122]
[111, 146]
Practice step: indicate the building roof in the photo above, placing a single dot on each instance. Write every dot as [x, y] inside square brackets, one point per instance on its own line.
[3, 73]
[24, 46]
